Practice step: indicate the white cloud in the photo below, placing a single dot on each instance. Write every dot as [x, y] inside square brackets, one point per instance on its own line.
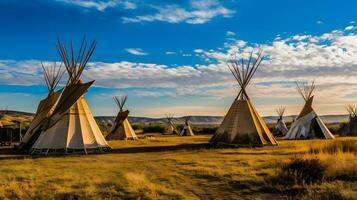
[198, 50]
[170, 52]
[348, 28]
[200, 12]
[27, 72]
[100, 5]
[230, 33]
[128, 5]
[136, 51]
[204, 4]
[330, 59]
[319, 22]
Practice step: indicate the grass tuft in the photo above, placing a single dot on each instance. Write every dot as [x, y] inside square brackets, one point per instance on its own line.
[305, 170]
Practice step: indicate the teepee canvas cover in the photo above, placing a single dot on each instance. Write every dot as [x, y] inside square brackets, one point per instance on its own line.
[350, 128]
[186, 130]
[71, 126]
[121, 129]
[52, 74]
[170, 126]
[308, 125]
[280, 128]
[242, 125]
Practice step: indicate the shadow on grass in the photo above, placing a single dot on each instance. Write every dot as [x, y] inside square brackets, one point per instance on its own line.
[12, 153]
[181, 147]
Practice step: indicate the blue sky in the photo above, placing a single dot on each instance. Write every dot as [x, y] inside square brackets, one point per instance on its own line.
[169, 56]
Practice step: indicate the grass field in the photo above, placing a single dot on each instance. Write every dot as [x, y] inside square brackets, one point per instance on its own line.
[171, 167]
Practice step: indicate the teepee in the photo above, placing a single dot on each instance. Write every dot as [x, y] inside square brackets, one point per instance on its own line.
[121, 129]
[170, 126]
[350, 128]
[187, 131]
[280, 127]
[242, 125]
[308, 124]
[71, 126]
[52, 75]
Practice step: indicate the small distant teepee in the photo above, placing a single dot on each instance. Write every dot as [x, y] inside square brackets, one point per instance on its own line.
[121, 129]
[52, 75]
[71, 127]
[308, 124]
[280, 128]
[242, 125]
[170, 126]
[187, 131]
[350, 128]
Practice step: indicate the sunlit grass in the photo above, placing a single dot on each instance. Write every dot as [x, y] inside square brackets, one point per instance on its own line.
[172, 167]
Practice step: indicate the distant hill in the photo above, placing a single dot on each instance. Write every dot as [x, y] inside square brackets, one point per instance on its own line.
[13, 112]
[328, 119]
[179, 120]
[12, 118]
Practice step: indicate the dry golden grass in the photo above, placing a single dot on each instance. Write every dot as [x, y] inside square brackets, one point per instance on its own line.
[171, 167]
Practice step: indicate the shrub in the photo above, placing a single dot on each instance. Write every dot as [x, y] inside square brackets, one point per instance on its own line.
[154, 128]
[105, 127]
[305, 170]
[334, 128]
[288, 124]
[179, 127]
[136, 126]
[342, 127]
[200, 129]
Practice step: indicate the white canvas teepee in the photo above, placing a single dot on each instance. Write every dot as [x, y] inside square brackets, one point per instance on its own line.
[308, 125]
[71, 126]
[280, 127]
[52, 74]
[350, 128]
[170, 126]
[242, 125]
[186, 130]
[121, 129]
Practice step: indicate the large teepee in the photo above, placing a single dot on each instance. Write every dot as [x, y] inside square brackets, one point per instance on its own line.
[350, 128]
[186, 130]
[308, 124]
[170, 125]
[121, 129]
[280, 127]
[71, 126]
[242, 125]
[52, 75]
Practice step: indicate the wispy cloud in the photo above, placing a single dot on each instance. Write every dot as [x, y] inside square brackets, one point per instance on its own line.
[136, 51]
[349, 28]
[230, 33]
[319, 22]
[200, 12]
[170, 52]
[100, 5]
